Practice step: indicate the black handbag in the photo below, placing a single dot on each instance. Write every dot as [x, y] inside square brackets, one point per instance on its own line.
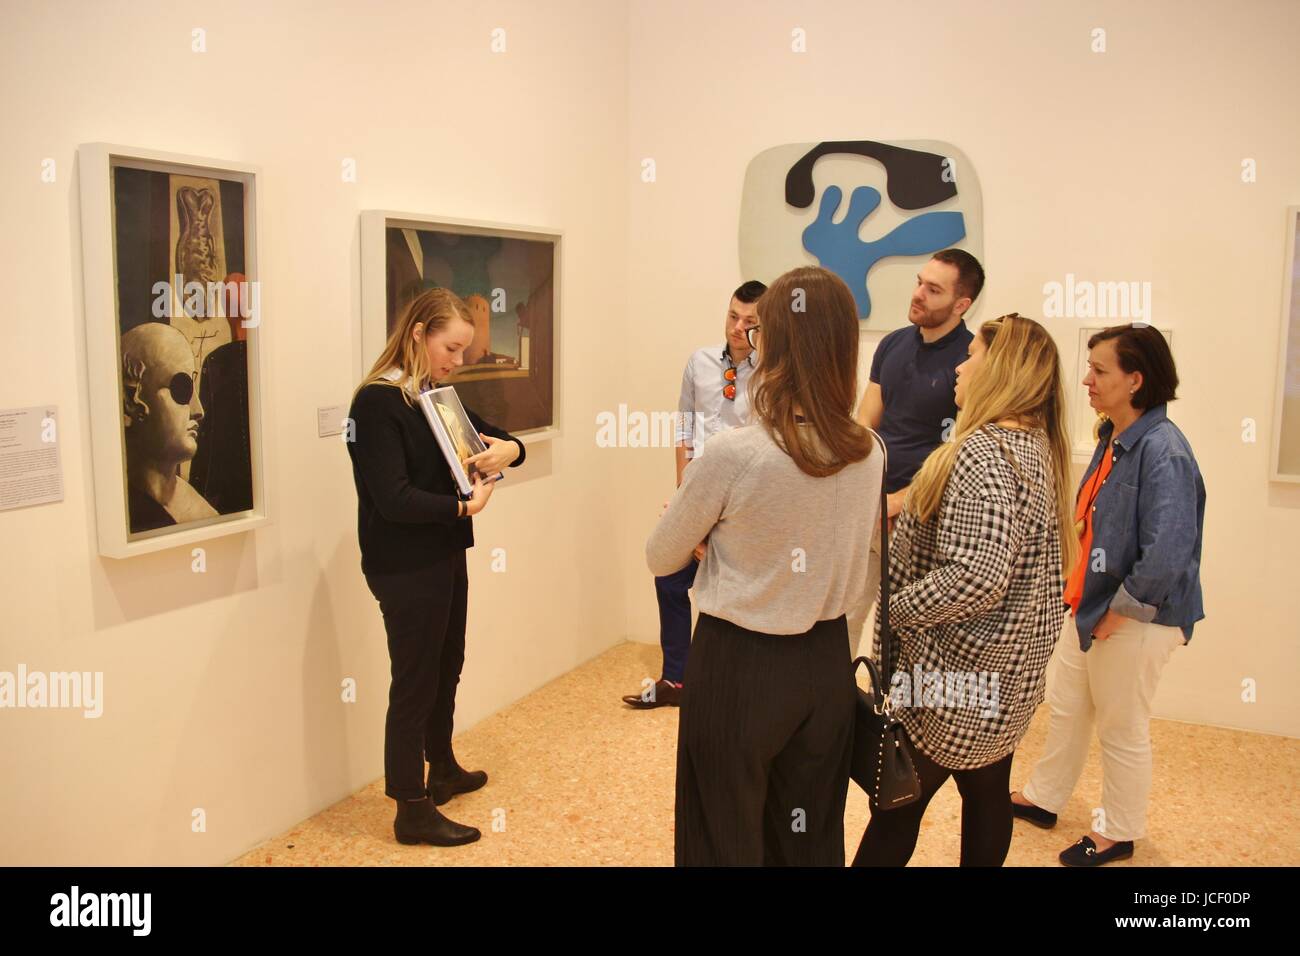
[882, 760]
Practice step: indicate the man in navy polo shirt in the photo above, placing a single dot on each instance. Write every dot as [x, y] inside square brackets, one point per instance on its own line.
[909, 400]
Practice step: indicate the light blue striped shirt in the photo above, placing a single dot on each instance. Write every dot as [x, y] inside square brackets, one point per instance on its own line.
[702, 409]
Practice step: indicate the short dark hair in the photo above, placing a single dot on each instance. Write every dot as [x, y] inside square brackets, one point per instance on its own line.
[750, 291]
[970, 274]
[1141, 348]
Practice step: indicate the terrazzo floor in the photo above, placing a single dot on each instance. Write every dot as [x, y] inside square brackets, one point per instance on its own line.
[576, 778]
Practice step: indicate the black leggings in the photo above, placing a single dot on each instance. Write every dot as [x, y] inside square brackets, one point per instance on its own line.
[985, 816]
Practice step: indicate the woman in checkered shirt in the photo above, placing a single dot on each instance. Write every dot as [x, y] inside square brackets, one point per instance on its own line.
[975, 567]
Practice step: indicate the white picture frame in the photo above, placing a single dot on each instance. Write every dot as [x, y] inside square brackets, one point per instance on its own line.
[374, 302]
[1284, 460]
[104, 334]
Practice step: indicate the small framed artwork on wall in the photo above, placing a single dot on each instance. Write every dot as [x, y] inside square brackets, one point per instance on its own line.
[508, 276]
[1286, 415]
[173, 346]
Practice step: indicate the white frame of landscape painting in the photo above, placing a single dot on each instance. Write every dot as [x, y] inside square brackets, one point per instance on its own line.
[1284, 462]
[170, 219]
[520, 394]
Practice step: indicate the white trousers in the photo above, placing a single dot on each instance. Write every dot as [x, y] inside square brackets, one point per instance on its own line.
[1112, 686]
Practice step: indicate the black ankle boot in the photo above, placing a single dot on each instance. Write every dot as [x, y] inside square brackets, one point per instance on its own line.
[450, 778]
[418, 821]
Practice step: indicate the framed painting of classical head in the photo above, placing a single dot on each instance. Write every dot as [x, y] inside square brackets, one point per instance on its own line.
[173, 345]
[1285, 465]
[508, 277]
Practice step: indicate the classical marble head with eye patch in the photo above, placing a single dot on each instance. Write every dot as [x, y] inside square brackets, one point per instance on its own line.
[160, 401]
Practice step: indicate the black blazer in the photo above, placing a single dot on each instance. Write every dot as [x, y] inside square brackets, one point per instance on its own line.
[406, 497]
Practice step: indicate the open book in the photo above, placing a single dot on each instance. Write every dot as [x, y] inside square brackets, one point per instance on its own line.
[456, 435]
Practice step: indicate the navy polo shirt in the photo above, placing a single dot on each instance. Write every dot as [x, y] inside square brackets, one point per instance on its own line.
[916, 382]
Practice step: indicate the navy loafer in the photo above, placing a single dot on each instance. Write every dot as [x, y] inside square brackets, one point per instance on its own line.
[1035, 815]
[1085, 853]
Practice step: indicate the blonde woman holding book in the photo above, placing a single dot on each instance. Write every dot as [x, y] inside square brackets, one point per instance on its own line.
[414, 531]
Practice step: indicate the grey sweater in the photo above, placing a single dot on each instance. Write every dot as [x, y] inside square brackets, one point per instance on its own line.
[785, 549]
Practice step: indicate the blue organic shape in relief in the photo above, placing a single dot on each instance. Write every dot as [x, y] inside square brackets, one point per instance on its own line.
[838, 248]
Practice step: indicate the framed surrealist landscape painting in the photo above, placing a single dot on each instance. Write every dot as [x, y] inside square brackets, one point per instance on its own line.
[507, 275]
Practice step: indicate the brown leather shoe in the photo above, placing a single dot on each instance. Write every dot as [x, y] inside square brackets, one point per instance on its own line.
[662, 694]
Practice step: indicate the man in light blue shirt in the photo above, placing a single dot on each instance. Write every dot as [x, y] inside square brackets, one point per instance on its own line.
[714, 398]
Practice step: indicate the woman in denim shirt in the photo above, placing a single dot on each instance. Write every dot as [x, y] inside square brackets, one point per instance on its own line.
[1134, 593]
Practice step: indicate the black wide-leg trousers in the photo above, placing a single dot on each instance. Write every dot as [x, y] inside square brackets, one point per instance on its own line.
[763, 746]
[424, 617]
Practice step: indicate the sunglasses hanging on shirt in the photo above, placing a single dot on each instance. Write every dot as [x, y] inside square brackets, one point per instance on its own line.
[729, 373]
[728, 377]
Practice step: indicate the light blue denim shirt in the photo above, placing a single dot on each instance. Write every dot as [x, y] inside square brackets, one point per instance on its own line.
[1147, 521]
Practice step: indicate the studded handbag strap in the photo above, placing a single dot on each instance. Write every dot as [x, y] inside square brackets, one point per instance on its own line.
[882, 607]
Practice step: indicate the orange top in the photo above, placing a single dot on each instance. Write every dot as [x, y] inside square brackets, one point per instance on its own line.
[1083, 515]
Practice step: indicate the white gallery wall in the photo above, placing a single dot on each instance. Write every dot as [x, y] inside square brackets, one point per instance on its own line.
[1117, 166]
[222, 689]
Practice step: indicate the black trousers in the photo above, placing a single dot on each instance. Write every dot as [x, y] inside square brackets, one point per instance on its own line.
[763, 746]
[986, 818]
[424, 616]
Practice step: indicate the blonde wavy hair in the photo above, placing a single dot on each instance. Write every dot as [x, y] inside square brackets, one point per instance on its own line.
[428, 312]
[1020, 379]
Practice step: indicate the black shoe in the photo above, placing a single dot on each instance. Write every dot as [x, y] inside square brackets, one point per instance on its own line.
[418, 821]
[1084, 853]
[447, 780]
[1035, 815]
[663, 694]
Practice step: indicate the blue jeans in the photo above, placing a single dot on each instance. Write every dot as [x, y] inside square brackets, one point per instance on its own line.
[672, 590]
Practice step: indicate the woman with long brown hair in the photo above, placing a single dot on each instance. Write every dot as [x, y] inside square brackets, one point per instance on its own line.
[787, 505]
[975, 574]
[414, 530]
